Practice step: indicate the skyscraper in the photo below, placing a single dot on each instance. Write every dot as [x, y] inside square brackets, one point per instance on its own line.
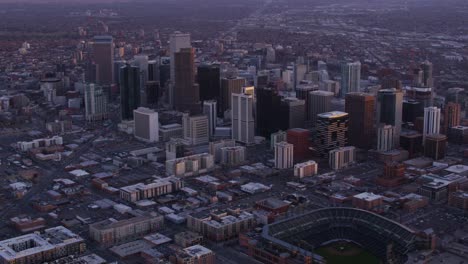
[299, 137]
[427, 80]
[385, 138]
[284, 154]
[208, 78]
[152, 91]
[268, 111]
[431, 121]
[390, 110]
[129, 90]
[103, 56]
[228, 87]
[177, 41]
[435, 146]
[332, 132]
[319, 102]
[452, 116]
[210, 110]
[243, 123]
[350, 77]
[95, 103]
[186, 91]
[146, 126]
[360, 107]
[153, 71]
[196, 129]
[292, 113]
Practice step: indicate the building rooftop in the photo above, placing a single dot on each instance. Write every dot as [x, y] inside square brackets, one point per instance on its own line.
[197, 251]
[368, 196]
[332, 114]
[34, 243]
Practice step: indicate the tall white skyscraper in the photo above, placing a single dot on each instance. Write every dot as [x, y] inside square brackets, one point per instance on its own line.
[209, 109]
[177, 41]
[243, 123]
[350, 77]
[284, 155]
[431, 121]
[385, 138]
[95, 103]
[146, 126]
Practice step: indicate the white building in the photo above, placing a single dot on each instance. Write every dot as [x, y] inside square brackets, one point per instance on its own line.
[146, 124]
[342, 157]
[277, 137]
[284, 155]
[95, 103]
[350, 77]
[305, 169]
[385, 138]
[39, 143]
[196, 129]
[243, 123]
[431, 121]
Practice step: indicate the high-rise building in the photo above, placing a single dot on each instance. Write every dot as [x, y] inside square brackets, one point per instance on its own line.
[216, 146]
[103, 56]
[284, 155]
[431, 121]
[186, 91]
[210, 110]
[360, 107]
[95, 103]
[146, 124]
[153, 71]
[277, 137]
[321, 66]
[152, 91]
[129, 90]
[341, 157]
[268, 104]
[208, 78]
[196, 129]
[319, 102]
[390, 110]
[177, 41]
[350, 78]
[411, 110]
[233, 156]
[243, 123]
[412, 142]
[452, 115]
[435, 146]
[423, 95]
[385, 138]
[305, 169]
[228, 87]
[332, 132]
[299, 137]
[292, 113]
[330, 86]
[427, 80]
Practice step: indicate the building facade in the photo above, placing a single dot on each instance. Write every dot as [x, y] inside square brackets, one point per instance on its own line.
[332, 132]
